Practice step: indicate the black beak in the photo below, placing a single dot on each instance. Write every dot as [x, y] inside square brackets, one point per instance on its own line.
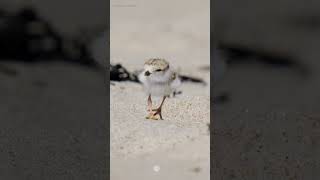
[147, 73]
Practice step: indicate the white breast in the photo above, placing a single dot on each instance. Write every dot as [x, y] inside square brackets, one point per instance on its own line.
[159, 85]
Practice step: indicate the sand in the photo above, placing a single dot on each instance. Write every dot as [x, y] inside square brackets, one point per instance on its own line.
[185, 118]
[178, 144]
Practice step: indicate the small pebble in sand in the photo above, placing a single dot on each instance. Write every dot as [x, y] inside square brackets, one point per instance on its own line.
[156, 168]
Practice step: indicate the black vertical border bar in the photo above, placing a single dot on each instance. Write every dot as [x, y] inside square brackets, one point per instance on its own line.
[107, 83]
[211, 89]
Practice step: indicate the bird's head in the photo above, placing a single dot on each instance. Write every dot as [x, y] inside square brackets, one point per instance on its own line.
[155, 67]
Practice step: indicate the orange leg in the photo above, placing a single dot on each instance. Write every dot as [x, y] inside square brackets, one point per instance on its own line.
[158, 110]
[150, 115]
[149, 104]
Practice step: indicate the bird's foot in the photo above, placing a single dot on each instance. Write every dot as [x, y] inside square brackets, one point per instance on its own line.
[157, 112]
[152, 116]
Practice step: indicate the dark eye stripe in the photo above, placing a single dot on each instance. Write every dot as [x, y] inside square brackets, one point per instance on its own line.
[158, 70]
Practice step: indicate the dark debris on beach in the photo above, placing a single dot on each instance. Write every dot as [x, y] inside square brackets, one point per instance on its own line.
[120, 73]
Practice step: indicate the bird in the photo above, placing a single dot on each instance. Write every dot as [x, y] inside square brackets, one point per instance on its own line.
[159, 79]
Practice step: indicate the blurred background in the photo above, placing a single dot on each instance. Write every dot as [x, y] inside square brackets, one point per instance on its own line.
[53, 93]
[265, 110]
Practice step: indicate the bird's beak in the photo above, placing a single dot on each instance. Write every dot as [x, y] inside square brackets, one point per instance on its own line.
[147, 73]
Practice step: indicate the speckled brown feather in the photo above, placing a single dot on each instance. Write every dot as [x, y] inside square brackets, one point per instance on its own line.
[158, 62]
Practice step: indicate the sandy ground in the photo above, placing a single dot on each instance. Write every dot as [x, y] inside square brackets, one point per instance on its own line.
[178, 31]
[178, 144]
[185, 118]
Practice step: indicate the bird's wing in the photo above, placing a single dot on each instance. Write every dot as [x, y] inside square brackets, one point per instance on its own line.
[175, 81]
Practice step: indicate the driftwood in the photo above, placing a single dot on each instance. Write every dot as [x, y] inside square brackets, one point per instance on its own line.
[120, 73]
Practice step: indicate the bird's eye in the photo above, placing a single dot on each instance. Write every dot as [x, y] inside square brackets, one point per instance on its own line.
[158, 70]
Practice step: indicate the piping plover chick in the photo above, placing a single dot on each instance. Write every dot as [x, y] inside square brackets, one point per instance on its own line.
[159, 80]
